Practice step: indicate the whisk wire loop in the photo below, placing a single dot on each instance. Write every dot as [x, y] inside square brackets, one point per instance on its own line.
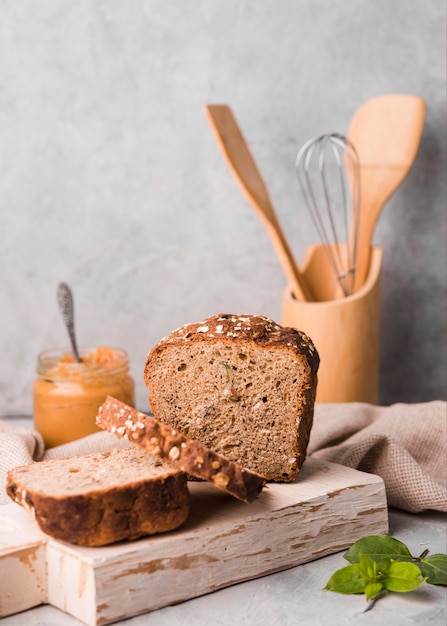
[336, 170]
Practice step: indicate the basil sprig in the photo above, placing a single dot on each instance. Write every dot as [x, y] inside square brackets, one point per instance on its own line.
[379, 563]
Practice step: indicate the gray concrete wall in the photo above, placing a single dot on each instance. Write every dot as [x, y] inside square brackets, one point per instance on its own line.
[111, 180]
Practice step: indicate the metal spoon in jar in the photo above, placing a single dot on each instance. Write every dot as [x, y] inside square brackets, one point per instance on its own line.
[65, 301]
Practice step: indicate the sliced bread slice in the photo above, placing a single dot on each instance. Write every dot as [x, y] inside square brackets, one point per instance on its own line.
[98, 499]
[182, 452]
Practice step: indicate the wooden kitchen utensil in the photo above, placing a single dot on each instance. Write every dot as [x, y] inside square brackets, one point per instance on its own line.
[237, 154]
[386, 132]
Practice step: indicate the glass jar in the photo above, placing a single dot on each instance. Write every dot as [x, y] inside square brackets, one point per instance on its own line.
[67, 394]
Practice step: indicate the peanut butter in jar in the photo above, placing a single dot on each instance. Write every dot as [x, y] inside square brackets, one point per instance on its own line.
[67, 394]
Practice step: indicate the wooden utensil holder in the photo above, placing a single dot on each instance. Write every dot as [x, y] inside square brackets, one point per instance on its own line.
[345, 330]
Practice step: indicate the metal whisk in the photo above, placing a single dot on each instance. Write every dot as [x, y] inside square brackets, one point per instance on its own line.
[329, 177]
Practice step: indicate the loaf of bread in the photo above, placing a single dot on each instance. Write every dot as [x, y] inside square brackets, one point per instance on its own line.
[242, 385]
[182, 452]
[98, 499]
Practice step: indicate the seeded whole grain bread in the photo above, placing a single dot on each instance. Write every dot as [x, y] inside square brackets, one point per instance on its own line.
[98, 499]
[242, 385]
[182, 452]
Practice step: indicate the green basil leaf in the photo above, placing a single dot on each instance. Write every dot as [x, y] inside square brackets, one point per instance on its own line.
[403, 577]
[367, 566]
[379, 548]
[434, 568]
[347, 580]
[373, 589]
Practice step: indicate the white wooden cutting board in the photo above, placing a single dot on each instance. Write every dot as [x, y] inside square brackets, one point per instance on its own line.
[223, 542]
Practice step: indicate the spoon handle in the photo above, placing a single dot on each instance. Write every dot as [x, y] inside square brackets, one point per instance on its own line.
[65, 301]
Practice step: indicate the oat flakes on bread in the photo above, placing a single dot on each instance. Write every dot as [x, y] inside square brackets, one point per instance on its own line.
[242, 385]
[182, 452]
[98, 499]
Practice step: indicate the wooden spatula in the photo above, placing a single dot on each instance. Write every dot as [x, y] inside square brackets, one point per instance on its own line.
[238, 156]
[386, 132]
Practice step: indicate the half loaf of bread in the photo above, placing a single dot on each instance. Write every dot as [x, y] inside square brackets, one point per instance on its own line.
[98, 499]
[242, 385]
[182, 452]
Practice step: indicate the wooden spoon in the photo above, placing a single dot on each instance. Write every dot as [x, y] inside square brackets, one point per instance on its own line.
[242, 164]
[386, 133]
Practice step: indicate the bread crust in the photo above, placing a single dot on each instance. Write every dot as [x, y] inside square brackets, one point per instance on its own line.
[105, 515]
[184, 453]
[258, 329]
[249, 334]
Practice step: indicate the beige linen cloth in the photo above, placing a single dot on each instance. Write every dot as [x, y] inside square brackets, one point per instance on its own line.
[405, 444]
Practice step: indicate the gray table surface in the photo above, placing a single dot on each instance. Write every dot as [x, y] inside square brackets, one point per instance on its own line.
[297, 595]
